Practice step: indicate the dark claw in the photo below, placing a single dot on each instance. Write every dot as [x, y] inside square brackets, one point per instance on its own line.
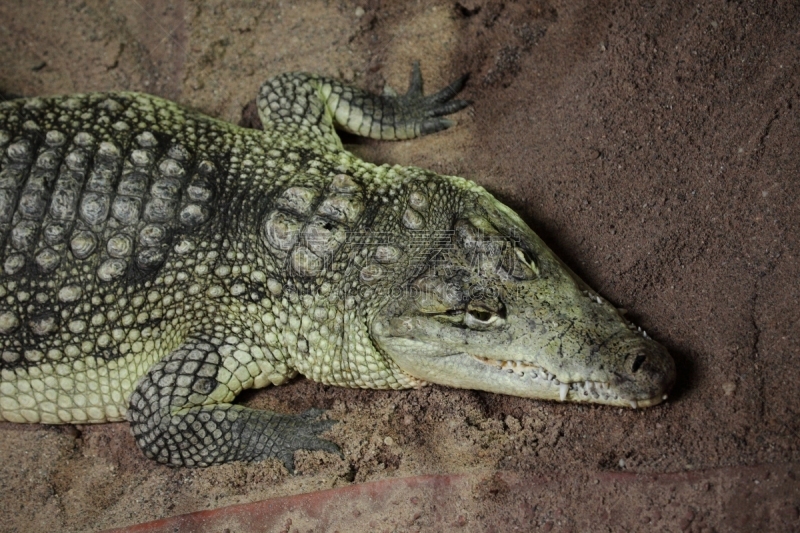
[320, 426]
[448, 108]
[414, 114]
[433, 125]
[415, 85]
[307, 427]
[311, 414]
[448, 92]
[433, 101]
[325, 446]
[287, 458]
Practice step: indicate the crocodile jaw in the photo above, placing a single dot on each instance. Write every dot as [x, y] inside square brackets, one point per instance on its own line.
[539, 383]
[528, 380]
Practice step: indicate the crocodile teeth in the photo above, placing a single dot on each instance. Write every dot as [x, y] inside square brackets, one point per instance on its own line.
[595, 389]
[563, 389]
[593, 297]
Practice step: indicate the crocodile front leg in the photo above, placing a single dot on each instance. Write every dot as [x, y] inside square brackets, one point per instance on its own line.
[299, 103]
[181, 414]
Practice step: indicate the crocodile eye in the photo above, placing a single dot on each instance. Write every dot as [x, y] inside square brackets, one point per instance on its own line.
[481, 316]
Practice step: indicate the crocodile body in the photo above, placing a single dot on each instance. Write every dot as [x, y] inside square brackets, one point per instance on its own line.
[156, 262]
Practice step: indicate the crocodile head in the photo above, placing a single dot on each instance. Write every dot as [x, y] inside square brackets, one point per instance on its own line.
[496, 310]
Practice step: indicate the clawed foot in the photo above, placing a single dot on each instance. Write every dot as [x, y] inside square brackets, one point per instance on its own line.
[430, 109]
[305, 429]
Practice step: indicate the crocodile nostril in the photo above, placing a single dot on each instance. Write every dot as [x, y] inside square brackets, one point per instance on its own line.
[638, 362]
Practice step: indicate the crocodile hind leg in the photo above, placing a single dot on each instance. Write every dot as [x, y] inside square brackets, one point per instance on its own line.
[306, 104]
[181, 414]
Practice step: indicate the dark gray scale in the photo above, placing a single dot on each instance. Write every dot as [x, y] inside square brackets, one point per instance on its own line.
[298, 200]
[102, 229]
[196, 206]
[161, 214]
[68, 170]
[386, 255]
[129, 212]
[16, 163]
[281, 231]
[323, 237]
[308, 226]
[94, 207]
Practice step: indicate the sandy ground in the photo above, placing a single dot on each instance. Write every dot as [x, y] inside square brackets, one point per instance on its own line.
[654, 146]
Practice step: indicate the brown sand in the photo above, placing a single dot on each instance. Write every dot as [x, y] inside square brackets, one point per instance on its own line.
[653, 146]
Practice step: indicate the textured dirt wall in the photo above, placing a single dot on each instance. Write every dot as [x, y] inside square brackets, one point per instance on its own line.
[652, 145]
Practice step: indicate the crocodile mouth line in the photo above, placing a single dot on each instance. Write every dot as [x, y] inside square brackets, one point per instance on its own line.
[598, 391]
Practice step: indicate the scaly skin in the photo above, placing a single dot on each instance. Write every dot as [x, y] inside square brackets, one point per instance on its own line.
[157, 262]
